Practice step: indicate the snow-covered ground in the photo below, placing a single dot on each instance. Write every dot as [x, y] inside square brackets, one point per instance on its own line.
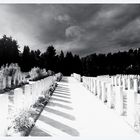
[74, 111]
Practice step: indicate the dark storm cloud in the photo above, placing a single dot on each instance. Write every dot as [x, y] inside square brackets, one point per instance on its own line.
[82, 29]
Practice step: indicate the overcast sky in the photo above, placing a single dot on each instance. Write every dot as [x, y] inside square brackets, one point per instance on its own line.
[82, 29]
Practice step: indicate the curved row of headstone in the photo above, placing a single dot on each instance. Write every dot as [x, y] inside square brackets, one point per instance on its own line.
[119, 92]
[22, 99]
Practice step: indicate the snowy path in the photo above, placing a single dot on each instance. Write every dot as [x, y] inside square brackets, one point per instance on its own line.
[74, 111]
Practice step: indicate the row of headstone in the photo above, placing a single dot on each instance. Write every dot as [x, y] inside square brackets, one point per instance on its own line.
[120, 92]
[36, 72]
[77, 76]
[11, 76]
[21, 99]
[128, 97]
[58, 76]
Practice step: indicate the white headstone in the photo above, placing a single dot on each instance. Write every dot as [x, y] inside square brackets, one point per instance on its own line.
[28, 96]
[119, 100]
[103, 86]
[3, 114]
[19, 98]
[131, 107]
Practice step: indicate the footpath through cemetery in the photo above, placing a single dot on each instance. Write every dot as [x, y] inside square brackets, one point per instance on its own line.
[42, 103]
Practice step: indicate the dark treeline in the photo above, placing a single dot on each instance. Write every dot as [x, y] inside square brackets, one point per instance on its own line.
[50, 60]
[127, 62]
